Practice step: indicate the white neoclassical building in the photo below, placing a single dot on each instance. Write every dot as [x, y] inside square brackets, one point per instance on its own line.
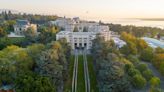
[82, 39]
[64, 24]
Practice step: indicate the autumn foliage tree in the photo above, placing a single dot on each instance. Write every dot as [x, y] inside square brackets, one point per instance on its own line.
[2, 32]
[158, 61]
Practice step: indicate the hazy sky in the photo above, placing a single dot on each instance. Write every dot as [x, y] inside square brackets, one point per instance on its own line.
[89, 9]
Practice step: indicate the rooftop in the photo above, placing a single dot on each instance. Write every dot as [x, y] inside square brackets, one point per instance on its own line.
[120, 43]
[63, 33]
[22, 22]
[75, 33]
[154, 42]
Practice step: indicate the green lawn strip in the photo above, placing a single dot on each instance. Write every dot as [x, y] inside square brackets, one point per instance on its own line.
[92, 75]
[68, 83]
[81, 79]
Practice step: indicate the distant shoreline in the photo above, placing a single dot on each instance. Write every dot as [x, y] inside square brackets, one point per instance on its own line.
[152, 19]
[144, 22]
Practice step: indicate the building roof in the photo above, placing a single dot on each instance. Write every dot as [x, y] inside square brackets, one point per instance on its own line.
[6, 87]
[63, 33]
[22, 22]
[154, 42]
[120, 43]
[75, 33]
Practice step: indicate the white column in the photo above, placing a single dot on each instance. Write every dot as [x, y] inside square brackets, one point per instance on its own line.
[78, 42]
[73, 43]
[88, 42]
[82, 42]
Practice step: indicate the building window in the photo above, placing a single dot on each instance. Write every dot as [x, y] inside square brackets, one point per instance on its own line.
[85, 44]
[80, 44]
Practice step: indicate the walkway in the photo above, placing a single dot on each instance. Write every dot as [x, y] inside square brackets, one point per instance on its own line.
[80, 72]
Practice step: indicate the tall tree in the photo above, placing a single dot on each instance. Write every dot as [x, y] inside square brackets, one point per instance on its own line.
[2, 32]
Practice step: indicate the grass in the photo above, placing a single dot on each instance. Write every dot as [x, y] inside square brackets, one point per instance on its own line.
[68, 83]
[92, 75]
[81, 79]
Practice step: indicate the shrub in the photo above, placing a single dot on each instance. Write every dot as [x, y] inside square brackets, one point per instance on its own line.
[133, 59]
[147, 54]
[138, 81]
[147, 74]
[133, 71]
[142, 67]
[128, 66]
[155, 81]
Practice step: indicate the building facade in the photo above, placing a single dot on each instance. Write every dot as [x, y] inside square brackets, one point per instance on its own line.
[85, 34]
[22, 26]
[81, 39]
[162, 39]
[64, 24]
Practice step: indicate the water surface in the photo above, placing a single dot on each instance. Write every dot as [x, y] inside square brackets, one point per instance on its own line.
[138, 22]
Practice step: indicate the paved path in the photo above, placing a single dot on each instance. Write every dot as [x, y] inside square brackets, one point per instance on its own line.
[86, 73]
[75, 72]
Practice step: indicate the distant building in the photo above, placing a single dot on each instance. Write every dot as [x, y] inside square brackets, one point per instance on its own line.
[162, 39]
[64, 24]
[86, 32]
[154, 43]
[13, 35]
[22, 26]
[76, 20]
[7, 88]
[67, 24]
[118, 42]
[116, 38]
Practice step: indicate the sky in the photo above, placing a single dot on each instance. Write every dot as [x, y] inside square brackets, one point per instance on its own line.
[90, 9]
